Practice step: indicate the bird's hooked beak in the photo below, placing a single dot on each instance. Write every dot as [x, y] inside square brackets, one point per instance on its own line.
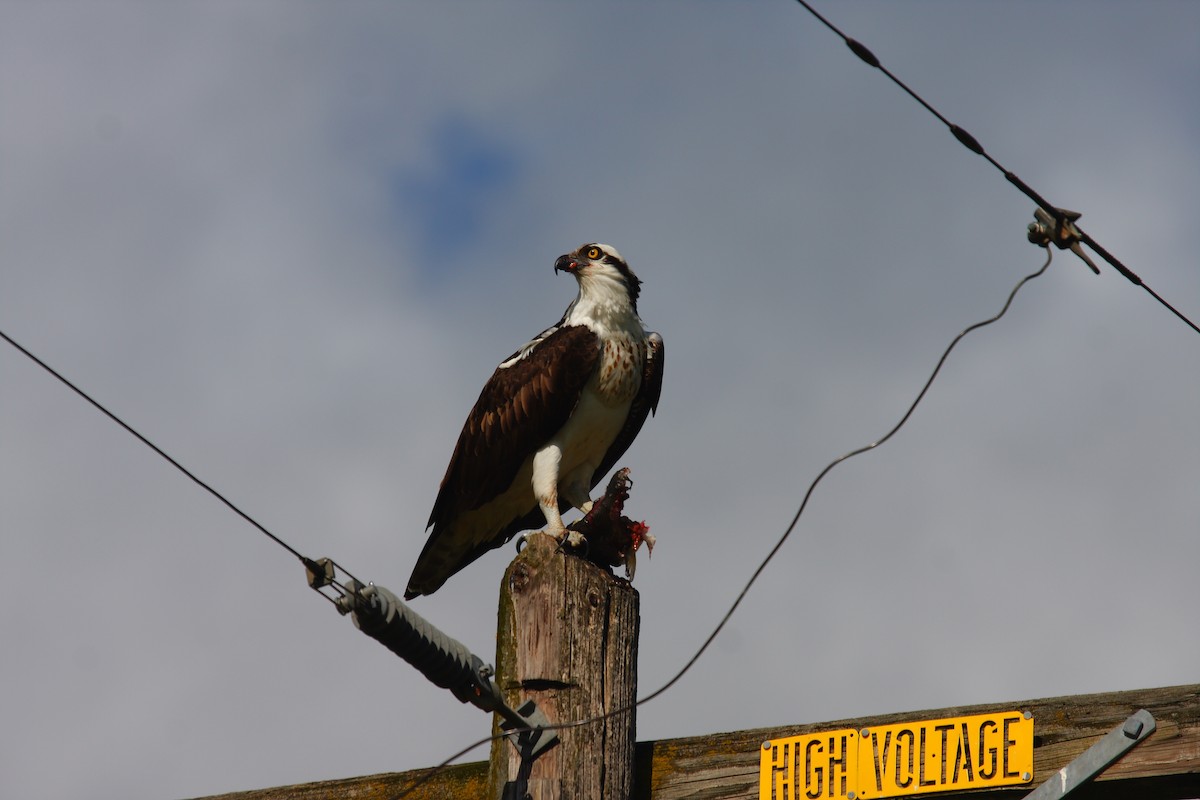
[566, 263]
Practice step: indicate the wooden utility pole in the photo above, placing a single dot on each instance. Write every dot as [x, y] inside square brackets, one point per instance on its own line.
[567, 639]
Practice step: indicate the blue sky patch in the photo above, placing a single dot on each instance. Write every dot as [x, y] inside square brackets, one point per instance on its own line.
[446, 200]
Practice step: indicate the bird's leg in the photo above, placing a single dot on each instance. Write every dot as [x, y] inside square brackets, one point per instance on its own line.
[556, 528]
[554, 523]
[545, 488]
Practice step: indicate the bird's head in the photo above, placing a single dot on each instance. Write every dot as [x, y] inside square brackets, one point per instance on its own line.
[600, 270]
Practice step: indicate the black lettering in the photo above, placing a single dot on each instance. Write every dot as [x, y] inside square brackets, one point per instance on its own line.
[923, 756]
[779, 772]
[908, 779]
[810, 771]
[945, 755]
[880, 763]
[840, 763]
[988, 771]
[1007, 743]
[962, 757]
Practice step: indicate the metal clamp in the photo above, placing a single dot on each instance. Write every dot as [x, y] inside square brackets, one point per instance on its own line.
[1059, 229]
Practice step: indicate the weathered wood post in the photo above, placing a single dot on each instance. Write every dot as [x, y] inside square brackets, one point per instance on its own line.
[567, 639]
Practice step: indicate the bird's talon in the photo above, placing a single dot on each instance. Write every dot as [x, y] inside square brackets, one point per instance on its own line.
[572, 540]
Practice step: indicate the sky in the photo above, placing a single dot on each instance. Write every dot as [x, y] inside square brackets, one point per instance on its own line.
[289, 242]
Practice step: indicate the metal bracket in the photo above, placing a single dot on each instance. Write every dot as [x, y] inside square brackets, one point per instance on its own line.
[1059, 229]
[322, 576]
[531, 741]
[1096, 758]
[532, 738]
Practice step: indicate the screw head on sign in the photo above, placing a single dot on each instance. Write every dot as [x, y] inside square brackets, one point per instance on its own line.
[767, 745]
[1028, 715]
[850, 795]
[1026, 776]
[864, 732]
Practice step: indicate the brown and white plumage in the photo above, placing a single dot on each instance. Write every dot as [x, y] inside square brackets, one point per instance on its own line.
[550, 423]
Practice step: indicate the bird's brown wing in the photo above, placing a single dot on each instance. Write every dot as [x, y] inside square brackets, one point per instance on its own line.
[520, 408]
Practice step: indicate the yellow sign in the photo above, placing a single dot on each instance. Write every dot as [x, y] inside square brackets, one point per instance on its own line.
[984, 750]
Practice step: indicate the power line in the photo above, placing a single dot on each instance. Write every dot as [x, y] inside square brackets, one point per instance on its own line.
[442, 660]
[971, 143]
[967, 140]
[1062, 221]
[315, 567]
[129, 429]
[331, 590]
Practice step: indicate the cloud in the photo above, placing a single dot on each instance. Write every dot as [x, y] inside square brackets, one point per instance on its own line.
[448, 196]
[290, 245]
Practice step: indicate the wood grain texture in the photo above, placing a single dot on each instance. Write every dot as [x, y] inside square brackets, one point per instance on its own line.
[567, 639]
[458, 782]
[725, 765]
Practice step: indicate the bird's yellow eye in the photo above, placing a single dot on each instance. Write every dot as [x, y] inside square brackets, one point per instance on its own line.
[593, 253]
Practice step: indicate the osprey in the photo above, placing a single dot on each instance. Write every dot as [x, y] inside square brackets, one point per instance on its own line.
[552, 420]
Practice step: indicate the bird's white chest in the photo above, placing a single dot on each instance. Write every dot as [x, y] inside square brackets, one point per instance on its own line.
[619, 374]
[603, 406]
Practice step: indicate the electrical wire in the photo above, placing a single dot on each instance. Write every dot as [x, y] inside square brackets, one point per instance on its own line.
[960, 134]
[773, 551]
[310, 564]
[331, 590]
[971, 143]
[865, 448]
[129, 429]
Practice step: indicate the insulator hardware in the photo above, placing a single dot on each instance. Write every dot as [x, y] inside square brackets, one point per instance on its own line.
[443, 660]
[1059, 230]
